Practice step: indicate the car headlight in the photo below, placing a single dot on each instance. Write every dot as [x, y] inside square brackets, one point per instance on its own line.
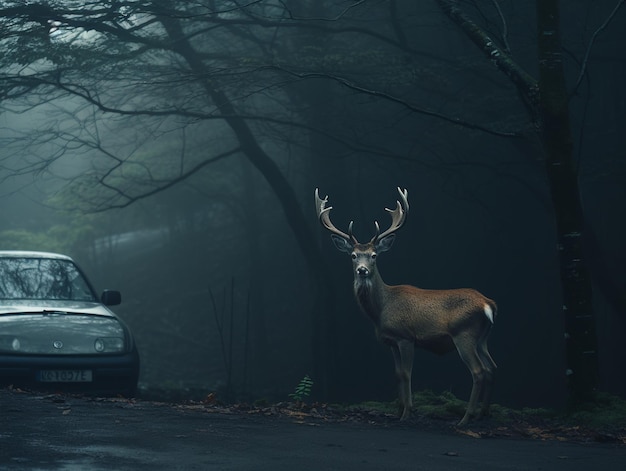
[109, 345]
[10, 343]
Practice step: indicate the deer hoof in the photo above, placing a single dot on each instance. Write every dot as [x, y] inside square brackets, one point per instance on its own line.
[464, 421]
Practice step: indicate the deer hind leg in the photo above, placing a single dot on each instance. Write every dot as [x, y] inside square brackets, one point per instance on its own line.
[403, 352]
[467, 346]
[490, 369]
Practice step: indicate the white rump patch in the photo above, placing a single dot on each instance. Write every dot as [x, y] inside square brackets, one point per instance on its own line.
[488, 312]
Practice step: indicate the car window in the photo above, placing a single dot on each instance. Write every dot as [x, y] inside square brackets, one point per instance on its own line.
[42, 278]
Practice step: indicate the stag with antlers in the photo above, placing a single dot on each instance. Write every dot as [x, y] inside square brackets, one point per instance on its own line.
[405, 316]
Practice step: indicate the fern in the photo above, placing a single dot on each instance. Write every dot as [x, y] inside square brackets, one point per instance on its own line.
[303, 389]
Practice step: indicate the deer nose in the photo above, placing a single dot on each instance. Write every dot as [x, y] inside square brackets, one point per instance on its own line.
[362, 271]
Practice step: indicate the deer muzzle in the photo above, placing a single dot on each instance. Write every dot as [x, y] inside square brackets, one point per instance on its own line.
[362, 271]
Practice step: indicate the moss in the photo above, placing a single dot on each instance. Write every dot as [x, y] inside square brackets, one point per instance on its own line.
[427, 403]
[443, 405]
[505, 415]
[602, 410]
[261, 402]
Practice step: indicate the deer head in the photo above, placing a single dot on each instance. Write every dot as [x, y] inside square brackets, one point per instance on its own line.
[364, 255]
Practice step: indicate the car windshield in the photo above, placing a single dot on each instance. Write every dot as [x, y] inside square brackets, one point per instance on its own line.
[42, 278]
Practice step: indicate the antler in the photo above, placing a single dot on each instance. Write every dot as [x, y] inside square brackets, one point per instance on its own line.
[324, 217]
[398, 216]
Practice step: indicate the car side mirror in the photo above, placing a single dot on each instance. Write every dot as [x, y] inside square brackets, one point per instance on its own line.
[111, 297]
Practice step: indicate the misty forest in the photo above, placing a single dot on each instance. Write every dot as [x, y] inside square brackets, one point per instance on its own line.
[173, 149]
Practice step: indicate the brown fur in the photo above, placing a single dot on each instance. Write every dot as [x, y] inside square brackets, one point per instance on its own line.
[435, 320]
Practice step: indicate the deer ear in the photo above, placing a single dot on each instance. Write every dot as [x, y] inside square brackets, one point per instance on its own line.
[385, 243]
[342, 244]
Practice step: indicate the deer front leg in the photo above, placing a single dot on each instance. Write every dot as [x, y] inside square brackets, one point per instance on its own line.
[403, 352]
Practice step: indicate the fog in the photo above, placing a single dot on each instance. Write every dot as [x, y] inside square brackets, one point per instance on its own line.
[174, 151]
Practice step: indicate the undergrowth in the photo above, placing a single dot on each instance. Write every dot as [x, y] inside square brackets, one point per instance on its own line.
[605, 410]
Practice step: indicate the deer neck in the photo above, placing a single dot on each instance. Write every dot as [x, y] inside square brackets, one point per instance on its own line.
[370, 294]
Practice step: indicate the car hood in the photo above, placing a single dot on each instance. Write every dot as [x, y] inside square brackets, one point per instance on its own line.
[70, 307]
[60, 328]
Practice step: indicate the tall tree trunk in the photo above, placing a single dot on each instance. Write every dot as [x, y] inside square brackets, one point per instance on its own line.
[547, 103]
[555, 129]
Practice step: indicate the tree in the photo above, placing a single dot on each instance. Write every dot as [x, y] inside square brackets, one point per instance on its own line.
[547, 100]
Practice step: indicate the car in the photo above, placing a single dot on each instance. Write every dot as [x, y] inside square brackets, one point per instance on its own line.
[56, 334]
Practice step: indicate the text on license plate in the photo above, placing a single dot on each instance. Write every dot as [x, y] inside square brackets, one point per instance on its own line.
[65, 376]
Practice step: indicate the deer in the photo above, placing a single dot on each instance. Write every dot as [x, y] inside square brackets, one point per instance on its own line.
[406, 317]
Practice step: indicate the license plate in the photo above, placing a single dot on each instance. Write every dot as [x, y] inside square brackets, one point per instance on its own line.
[65, 376]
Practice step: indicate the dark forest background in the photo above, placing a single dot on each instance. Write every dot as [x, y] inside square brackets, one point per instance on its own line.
[173, 148]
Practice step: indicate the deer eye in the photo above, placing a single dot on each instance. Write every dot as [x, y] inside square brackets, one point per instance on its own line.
[373, 255]
[353, 255]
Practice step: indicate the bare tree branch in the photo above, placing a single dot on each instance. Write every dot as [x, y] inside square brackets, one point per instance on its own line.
[527, 86]
[388, 97]
[603, 26]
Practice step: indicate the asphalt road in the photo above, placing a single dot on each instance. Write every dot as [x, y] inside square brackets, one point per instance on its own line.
[39, 432]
